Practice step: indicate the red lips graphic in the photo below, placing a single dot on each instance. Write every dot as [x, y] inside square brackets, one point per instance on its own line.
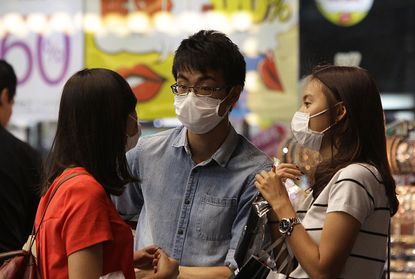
[146, 84]
[269, 74]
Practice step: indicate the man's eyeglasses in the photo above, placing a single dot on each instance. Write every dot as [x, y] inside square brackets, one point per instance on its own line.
[205, 91]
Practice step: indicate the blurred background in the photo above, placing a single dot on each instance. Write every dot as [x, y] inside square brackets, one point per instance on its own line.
[46, 41]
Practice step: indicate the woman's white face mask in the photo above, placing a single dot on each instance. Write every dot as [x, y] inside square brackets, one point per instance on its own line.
[303, 134]
[132, 140]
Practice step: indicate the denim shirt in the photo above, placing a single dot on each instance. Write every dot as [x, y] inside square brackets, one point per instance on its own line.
[195, 212]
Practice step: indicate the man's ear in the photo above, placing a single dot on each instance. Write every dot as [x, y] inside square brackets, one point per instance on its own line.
[341, 112]
[235, 94]
[4, 96]
[232, 98]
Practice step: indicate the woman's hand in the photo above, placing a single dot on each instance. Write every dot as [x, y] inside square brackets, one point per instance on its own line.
[153, 263]
[143, 259]
[271, 185]
[164, 266]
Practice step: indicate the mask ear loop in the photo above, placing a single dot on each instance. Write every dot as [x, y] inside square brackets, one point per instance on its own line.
[328, 128]
[222, 101]
[335, 122]
[137, 120]
[323, 111]
[318, 113]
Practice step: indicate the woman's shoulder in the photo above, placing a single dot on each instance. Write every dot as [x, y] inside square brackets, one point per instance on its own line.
[81, 183]
[361, 172]
[364, 175]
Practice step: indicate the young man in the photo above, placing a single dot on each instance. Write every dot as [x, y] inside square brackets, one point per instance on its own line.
[196, 182]
[19, 173]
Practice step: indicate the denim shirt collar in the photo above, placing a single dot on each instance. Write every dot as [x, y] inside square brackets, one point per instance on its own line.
[221, 156]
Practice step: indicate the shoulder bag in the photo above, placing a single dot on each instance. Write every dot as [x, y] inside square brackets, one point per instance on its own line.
[21, 264]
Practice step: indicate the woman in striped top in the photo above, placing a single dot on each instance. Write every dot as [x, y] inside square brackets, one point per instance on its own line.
[340, 229]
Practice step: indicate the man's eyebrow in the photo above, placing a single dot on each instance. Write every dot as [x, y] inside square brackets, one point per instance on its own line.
[204, 77]
[181, 76]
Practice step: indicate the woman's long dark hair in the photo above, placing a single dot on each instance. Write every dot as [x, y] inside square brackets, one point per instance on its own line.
[91, 131]
[360, 135]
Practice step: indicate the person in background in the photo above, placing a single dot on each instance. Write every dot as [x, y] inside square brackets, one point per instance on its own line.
[20, 171]
[196, 182]
[82, 235]
[341, 228]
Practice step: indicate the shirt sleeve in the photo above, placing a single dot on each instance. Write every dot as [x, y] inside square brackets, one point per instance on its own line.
[130, 202]
[349, 194]
[244, 207]
[85, 214]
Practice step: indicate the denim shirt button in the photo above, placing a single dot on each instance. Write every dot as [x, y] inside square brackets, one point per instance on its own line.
[180, 232]
[186, 201]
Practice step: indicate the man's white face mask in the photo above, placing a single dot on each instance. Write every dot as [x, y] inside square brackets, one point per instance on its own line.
[199, 114]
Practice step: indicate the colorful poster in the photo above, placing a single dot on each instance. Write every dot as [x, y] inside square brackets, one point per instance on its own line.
[265, 31]
[39, 39]
[47, 41]
[273, 96]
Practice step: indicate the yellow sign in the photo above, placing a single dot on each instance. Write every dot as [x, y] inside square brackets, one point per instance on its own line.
[148, 74]
[268, 37]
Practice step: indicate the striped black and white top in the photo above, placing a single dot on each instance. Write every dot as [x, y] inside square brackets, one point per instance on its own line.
[356, 190]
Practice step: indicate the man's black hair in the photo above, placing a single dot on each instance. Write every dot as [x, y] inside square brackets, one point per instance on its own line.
[211, 50]
[7, 78]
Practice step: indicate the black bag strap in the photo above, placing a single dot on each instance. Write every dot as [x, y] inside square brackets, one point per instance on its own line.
[63, 180]
[247, 238]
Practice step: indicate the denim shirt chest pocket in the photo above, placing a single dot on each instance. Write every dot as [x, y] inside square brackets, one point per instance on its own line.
[215, 216]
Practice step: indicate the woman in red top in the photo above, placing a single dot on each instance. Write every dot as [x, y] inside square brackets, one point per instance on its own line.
[82, 235]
